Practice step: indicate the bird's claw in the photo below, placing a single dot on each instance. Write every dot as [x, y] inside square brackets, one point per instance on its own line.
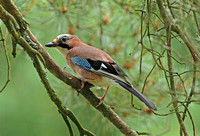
[82, 85]
[100, 102]
[103, 97]
[79, 91]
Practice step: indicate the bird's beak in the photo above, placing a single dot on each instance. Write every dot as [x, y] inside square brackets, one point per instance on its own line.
[51, 44]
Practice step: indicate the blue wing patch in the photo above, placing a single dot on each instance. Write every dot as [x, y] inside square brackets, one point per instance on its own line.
[83, 63]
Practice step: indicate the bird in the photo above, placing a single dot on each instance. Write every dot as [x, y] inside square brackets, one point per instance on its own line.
[94, 66]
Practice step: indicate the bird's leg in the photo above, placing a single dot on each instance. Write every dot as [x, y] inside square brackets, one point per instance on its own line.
[82, 85]
[83, 80]
[103, 97]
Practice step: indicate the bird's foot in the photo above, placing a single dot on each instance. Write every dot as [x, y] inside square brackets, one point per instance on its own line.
[82, 85]
[83, 80]
[103, 97]
[100, 101]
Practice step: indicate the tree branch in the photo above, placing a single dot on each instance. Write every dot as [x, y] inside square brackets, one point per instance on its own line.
[59, 73]
[7, 60]
[75, 83]
[183, 35]
[189, 98]
[33, 55]
[68, 124]
[172, 83]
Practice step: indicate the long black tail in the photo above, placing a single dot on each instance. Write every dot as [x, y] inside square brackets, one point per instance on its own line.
[139, 95]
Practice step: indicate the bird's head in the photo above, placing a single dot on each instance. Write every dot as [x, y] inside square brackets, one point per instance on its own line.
[64, 42]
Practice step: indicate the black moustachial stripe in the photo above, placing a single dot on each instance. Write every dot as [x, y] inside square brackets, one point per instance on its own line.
[96, 65]
[64, 46]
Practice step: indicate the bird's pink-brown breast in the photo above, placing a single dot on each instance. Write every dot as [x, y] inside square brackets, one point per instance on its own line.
[86, 51]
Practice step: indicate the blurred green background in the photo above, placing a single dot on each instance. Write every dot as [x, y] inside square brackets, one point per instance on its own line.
[115, 27]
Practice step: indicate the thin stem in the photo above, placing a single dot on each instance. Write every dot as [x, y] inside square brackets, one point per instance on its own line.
[190, 116]
[100, 26]
[196, 21]
[151, 71]
[172, 83]
[192, 92]
[182, 34]
[7, 60]
[141, 41]
[67, 123]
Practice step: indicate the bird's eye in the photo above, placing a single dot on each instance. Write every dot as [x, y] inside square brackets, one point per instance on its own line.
[64, 39]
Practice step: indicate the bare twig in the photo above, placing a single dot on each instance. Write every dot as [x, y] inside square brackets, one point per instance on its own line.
[183, 35]
[151, 70]
[192, 121]
[100, 26]
[196, 21]
[141, 42]
[172, 84]
[191, 94]
[68, 124]
[7, 60]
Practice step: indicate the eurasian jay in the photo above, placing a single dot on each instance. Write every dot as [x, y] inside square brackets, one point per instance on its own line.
[94, 65]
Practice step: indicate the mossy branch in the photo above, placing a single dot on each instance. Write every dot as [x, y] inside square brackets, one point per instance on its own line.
[33, 54]
[58, 72]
